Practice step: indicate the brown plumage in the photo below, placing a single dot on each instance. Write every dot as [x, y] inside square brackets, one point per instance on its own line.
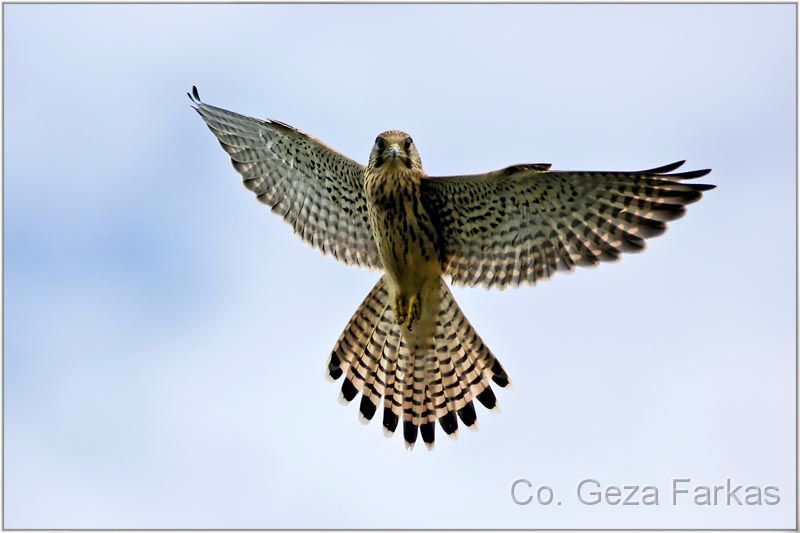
[408, 346]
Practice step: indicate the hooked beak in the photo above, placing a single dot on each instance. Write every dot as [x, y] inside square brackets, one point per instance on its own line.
[394, 151]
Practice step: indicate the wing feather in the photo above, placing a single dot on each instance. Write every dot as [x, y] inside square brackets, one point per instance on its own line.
[317, 190]
[523, 223]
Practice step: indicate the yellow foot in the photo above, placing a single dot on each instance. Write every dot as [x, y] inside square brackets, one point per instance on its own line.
[406, 311]
[400, 310]
[413, 311]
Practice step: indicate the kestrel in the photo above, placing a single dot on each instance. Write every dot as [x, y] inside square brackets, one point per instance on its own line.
[408, 345]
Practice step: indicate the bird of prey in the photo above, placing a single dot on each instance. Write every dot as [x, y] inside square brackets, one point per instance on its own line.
[409, 346]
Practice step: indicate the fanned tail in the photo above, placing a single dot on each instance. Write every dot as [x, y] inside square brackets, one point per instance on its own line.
[430, 374]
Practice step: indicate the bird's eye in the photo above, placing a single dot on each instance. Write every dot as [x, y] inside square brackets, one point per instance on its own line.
[379, 142]
[408, 142]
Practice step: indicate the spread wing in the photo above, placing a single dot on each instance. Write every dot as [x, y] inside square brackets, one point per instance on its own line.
[522, 224]
[317, 190]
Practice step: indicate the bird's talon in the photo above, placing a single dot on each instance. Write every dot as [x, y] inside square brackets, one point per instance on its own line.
[400, 310]
[413, 312]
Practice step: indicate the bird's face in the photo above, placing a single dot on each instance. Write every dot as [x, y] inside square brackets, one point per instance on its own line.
[395, 149]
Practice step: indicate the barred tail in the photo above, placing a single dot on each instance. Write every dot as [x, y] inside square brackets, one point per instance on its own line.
[422, 376]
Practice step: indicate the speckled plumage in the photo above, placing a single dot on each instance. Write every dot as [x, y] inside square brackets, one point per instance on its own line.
[408, 345]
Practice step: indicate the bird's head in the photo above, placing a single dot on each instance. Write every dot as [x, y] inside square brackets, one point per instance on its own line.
[395, 149]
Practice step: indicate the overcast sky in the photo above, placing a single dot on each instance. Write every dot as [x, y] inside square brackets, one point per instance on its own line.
[166, 335]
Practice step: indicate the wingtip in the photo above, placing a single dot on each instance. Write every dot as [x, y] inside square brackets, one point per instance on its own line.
[194, 97]
[692, 174]
[666, 168]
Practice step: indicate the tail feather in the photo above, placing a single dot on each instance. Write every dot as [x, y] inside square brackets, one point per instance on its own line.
[434, 376]
[349, 347]
[376, 384]
[374, 380]
[435, 403]
[448, 420]
[412, 403]
[476, 363]
[467, 414]
[434, 395]
[393, 396]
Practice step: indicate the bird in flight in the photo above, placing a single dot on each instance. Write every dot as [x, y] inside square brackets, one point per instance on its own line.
[409, 346]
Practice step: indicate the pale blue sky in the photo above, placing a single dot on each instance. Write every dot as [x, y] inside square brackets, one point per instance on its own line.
[166, 335]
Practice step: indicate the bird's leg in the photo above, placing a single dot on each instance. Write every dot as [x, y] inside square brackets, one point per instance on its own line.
[406, 310]
[400, 310]
[413, 310]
